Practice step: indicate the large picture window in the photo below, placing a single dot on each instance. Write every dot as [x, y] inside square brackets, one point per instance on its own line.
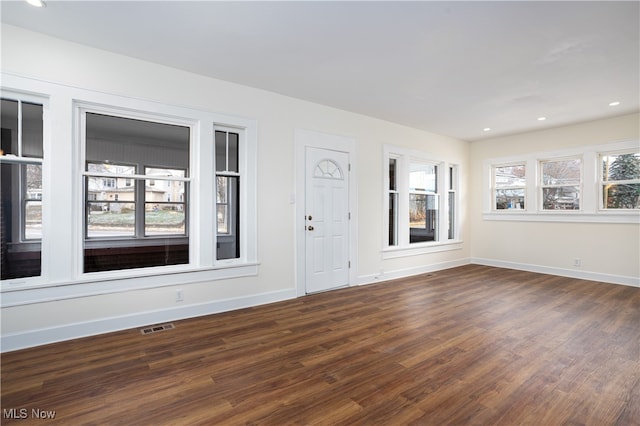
[136, 183]
[21, 156]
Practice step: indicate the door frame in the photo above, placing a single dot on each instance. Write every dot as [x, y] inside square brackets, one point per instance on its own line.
[309, 138]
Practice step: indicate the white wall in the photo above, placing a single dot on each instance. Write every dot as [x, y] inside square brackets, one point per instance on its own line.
[37, 56]
[608, 251]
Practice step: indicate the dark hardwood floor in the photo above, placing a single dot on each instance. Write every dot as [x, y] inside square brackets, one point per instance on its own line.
[471, 345]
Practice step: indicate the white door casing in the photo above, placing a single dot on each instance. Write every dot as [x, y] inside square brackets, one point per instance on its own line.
[326, 219]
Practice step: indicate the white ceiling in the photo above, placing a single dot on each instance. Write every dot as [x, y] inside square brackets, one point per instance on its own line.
[451, 68]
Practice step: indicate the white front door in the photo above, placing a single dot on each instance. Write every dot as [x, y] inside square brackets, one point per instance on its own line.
[326, 219]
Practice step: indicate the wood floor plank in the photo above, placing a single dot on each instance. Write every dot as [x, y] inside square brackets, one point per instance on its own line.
[472, 345]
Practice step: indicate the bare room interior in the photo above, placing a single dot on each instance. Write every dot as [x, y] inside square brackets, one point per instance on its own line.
[320, 212]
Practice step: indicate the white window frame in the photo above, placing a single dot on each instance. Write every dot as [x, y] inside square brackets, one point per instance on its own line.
[62, 239]
[404, 157]
[591, 200]
[109, 180]
[453, 190]
[541, 186]
[19, 208]
[602, 182]
[240, 174]
[495, 187]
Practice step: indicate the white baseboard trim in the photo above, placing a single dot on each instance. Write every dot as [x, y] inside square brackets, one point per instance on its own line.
[408, 272]
[571, 273]
[43, 336]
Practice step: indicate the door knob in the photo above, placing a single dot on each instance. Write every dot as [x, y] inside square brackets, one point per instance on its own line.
[310, 228]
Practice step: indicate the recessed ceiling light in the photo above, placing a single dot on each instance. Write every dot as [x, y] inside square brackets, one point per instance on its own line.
[487, 129]
[542, 118]
[616, 103]
[37, 3]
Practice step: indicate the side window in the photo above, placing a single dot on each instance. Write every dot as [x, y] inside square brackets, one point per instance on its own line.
[452, 201]
[21, 156]
[136, 183]
[561, 183]
[620, 180]
[509, 186]
[393, 201]
[227, 161]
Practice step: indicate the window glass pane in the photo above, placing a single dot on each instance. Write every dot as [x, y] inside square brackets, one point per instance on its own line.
[423, 177]
[164, 218]
[622, 196]
[423, 217]
[223, 218]
[221, 151]
[510, 175]
[562, 172]
[233, 152]
[509, 199]
[110, 219]
[164, 203]
[9, 126]
[31, 130]
[228, 217]
[20, 248]
[135, 222]
[33, 220]
[33, 202]
[452, 216]
[222, 189]
[392, 174]
[393, 222]
[116, 169]
[152, 171]
[621, 167]
[561, 198]
[119, 140]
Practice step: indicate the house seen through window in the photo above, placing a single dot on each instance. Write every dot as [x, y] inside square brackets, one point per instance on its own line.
[131, 220]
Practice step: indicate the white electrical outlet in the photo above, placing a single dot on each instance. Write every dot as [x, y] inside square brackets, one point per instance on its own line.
[179, 295]
[577, 262]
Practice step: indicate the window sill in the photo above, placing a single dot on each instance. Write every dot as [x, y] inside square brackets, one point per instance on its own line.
[418, 249]
[27, 291]
[566, 216]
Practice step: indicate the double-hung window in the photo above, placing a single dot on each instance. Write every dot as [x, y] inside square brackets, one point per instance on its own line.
[509, 186]
[21, 158]
[136, 192]
[421, 203]
[620, 180]
[561, 184]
